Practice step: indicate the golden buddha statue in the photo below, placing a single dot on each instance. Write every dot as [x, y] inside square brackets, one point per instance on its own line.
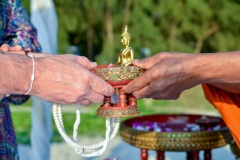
[126, 56]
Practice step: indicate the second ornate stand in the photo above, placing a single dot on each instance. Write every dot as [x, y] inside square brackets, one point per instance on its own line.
[175, 132]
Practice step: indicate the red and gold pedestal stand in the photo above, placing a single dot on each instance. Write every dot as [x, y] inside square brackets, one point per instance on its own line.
[118, 77]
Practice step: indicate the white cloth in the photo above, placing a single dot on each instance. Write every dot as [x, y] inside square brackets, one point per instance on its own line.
[41, 131]
[44, 18]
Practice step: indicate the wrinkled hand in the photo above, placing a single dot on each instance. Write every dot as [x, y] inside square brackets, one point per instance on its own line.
[67, 79]
[165, 78]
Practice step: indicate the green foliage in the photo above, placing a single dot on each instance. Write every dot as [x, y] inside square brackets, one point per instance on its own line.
[22, 126]
[26, 4]
[159, 25]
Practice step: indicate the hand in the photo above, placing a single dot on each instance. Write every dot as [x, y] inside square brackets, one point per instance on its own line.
[67, 79]
[15, 49]
[19, 50]
[165, 78]
[64, 79]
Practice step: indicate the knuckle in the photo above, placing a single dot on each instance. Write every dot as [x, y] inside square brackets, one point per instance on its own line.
[74, 99]
[108, 90]
[154, 75]
[137, 85]
[105, 90]
[87, 80]
[84, 102]
[83, 59]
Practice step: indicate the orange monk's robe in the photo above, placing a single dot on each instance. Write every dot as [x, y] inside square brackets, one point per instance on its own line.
[228, 105]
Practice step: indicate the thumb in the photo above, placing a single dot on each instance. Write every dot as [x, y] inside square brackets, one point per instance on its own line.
[102, 87]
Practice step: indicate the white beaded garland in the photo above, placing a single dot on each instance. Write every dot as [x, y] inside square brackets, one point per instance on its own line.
[85, 150]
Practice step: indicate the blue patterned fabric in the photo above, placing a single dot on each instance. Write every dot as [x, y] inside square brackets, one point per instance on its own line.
[15, 29]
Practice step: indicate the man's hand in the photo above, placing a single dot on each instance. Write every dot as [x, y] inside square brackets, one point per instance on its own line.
[64, 79]
[166, 77]
[67, 79]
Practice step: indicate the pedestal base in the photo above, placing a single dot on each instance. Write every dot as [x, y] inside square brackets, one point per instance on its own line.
[118, 112]
[126, 105]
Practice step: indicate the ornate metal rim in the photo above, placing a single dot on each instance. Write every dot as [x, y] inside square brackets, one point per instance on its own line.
[175, 141]
[129, 111]
[118, 73]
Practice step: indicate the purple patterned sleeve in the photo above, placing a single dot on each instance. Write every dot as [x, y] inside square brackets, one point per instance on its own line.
[19, 29]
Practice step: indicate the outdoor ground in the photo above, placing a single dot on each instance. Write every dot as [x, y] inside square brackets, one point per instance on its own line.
[121, 150]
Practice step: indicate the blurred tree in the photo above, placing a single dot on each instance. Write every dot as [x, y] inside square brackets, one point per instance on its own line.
[80, 25]
[200, 26]
[155, 25]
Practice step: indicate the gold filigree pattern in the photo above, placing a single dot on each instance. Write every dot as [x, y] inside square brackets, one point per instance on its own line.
[121, 73]
[117, 112]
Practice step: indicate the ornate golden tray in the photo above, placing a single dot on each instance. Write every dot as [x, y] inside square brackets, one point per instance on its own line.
[175, 135]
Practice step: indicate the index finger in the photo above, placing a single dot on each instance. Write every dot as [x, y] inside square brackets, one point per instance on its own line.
[85, 62]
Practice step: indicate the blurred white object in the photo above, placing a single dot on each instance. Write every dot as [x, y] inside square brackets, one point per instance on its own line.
[193, 127]
[44, 18]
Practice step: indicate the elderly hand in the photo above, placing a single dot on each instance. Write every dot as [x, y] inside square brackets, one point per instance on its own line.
[165, 78]
[64, 79]
[67, 79]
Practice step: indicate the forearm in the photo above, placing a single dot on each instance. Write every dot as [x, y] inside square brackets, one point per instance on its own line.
[15, 74]
[218, 69]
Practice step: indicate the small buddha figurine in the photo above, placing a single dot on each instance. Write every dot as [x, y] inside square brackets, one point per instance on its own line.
[126, 56]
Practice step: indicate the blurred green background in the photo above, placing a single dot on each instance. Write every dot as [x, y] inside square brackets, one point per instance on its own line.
[94, 28]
